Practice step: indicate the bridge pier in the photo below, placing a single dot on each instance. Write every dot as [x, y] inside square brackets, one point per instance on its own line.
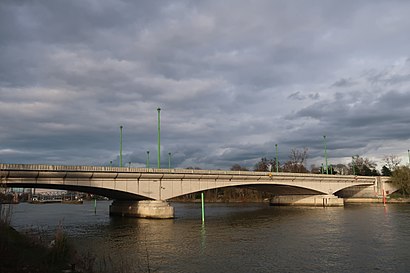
[154, 209]
[307, 200]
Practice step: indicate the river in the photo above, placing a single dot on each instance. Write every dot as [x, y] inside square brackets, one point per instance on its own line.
[235, 238]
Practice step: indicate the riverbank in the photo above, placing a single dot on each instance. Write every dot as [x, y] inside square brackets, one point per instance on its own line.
[21, 253]
[396, 200]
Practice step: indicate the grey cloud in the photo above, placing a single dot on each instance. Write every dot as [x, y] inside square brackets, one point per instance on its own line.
[343, 83]
[224, 73]
[296, 96]
[314, 96]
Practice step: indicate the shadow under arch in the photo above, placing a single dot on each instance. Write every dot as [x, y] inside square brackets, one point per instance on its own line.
[109, 193]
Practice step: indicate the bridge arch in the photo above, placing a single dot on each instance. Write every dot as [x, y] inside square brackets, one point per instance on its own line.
[106, 192]
[276, 189]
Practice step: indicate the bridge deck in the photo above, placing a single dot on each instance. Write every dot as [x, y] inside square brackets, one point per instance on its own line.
[162, 184]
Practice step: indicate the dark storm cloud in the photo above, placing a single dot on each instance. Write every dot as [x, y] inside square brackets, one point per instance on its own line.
[343, 83]
[232, 79]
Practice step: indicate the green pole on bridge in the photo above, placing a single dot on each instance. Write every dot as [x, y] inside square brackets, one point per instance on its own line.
[159, 138]
[276, 159]
[353, 166]
[147, 164]
[121, 146]
[203, 207]
[169, 160]
[327, 169]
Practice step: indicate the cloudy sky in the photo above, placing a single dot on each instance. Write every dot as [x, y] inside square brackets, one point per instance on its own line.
[232, 78]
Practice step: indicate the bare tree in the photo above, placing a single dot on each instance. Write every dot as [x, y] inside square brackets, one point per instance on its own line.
[391, 162]
[237, 167]
[264, 165]
[297, 160]
[362, 166]
[342, 169]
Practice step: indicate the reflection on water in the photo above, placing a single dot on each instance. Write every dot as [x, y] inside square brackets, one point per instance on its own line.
[203, 238]
[237, 237]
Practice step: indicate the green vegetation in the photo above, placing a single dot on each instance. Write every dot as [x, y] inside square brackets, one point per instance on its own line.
[401, 179]
[22, 253]
[25, 253]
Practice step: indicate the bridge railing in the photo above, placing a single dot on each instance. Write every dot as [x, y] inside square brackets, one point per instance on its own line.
[197, 173]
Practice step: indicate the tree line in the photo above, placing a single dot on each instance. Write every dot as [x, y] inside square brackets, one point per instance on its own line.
[297, 164]
[359, 165]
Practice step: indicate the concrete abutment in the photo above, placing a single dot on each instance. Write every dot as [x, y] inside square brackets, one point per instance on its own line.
[307, 200]
[153, 209]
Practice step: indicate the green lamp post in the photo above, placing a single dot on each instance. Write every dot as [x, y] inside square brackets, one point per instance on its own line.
[276, 158]
[121, 145]
[327, 169]
[159, 138]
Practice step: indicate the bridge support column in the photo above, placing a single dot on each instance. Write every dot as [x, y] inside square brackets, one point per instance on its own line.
[307, 200]
[142, 209]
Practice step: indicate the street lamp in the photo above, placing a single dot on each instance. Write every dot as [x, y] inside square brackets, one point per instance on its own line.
[169, 160]
[121, 145]
[147, 164]
[159, 138]
[276, 159]
[327, 170]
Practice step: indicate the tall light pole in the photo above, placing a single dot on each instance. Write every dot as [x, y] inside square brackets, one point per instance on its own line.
[327, 170]
[276, 158]
[147, 164]
[159, 138]
[408, 152]
[169, 160]
[121, 146]
[353, 166]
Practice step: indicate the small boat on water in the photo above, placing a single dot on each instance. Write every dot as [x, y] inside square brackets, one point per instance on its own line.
[43, 199]
[49, 199]
[71, 199]
[75, 201]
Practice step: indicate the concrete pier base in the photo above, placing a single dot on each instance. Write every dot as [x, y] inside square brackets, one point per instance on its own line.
[307, 200]
[142, 209]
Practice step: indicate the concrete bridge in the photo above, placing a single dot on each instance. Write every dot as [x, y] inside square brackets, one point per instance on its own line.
[143, 192]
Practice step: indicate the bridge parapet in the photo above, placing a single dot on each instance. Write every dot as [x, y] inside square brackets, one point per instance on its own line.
[183, 173]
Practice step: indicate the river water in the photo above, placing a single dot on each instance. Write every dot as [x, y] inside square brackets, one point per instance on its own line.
[235, 237]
